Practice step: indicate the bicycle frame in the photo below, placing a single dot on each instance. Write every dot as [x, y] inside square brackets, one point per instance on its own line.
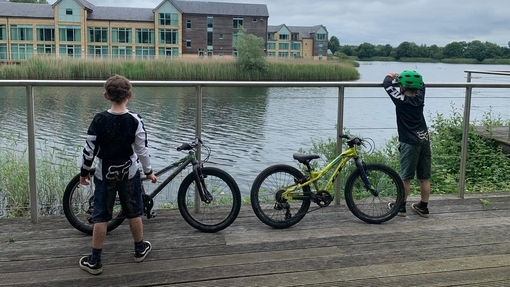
[313, 176]
[181, 164]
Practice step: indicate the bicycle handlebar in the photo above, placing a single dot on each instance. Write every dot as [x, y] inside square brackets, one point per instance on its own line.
[352, 141]
[190, 146]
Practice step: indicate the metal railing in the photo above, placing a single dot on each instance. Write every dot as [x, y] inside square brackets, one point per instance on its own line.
[30, 84]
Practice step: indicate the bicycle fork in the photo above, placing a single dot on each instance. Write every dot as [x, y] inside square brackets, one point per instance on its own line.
[362, 170]
[205, 195]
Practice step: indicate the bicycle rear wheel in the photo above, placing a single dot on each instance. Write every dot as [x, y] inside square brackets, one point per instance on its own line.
[78, 204]
[221, 211]
[374, 208]
[266, 199]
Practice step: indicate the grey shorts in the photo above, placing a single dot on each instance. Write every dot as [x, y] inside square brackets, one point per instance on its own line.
[415, 160]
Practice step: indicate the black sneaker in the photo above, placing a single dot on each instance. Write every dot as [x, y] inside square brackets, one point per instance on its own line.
[422, 211]
[93, 269]
[401, 212]
[141, 254]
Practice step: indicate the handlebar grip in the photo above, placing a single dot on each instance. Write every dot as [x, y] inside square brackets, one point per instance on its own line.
[184, 146]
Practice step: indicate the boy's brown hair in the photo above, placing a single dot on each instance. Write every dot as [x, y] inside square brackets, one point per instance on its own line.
[118, 88]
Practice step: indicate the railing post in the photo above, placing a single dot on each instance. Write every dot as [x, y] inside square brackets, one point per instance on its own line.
[465, 137]
[198, 133]
[31, 154]
[339, 131]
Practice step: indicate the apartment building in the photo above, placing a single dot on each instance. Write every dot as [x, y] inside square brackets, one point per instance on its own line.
[80, 29]
[297, 42]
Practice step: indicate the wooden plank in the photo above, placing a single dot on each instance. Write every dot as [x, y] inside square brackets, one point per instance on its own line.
[463, 243]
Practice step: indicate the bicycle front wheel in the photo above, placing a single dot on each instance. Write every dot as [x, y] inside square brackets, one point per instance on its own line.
[78, 205]
[266, 199]
[370, 207]
[221, 211]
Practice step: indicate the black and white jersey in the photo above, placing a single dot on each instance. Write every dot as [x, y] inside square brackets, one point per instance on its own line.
[118, 141]
[411, 124]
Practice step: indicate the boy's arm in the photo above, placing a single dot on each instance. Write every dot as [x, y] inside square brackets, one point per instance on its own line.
[89, 150]
[391, 89]
[141, 148]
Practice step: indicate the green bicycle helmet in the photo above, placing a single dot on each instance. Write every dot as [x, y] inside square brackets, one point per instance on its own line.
[410, 79]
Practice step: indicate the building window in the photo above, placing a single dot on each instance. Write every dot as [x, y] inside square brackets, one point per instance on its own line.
[283, 46]
[200, 52]
[296, 54]
[210, 22]
[3, 33]
[238, 22]
[70, 50]
[321, 37]
[21, 51]
[98, 34]
[235, 36]
[188, 24]
[3, 51]
[283, 54]
[121, 35]
[221, 36]
[221, 54]
[295, 36]
[320, 56]
[296, 46]
[209, 52]
[145, 36]
[168, 36]
[69, 34]
[188, 43]
[46, 49]
[283, 36]
[145, 52]
[169, 19]
[69, 11]
[270, 36]
[271, 54]
[321, 47]
[46, 33]
[234, 53]
[122, 52]
[209, 38]
[271, 45]
[167, 52]
[98, 51]
[21, 33]
[254, 20]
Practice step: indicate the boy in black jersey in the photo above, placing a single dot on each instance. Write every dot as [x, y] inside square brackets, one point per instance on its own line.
[118, 139]
[407, 91]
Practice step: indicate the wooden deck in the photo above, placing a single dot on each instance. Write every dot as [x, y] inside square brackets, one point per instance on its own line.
[463, 243]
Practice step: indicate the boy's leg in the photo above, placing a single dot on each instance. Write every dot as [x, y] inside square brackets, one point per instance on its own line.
[425, 190]
[136, 227]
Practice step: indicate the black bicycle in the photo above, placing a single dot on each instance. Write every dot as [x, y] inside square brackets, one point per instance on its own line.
[208, 199]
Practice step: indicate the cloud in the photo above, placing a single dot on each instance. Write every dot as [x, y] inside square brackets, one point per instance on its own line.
[354, 22]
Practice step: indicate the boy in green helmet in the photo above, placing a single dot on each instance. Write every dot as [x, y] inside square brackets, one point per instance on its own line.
[407, 91]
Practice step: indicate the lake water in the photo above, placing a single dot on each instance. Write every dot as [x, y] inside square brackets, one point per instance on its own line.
[247, 128]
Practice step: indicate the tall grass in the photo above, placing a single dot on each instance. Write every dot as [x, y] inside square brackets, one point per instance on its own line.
[53, 174]
[181, 69]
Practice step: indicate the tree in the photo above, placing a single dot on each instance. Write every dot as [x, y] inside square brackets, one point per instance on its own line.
[454, 50]
[250, 52]
[366, 51]
[334, 44]
[30, 1]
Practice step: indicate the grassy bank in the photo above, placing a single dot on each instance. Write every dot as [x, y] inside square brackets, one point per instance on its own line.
[202, 69]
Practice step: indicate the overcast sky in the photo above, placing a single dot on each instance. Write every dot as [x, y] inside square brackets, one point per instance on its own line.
[354, 22]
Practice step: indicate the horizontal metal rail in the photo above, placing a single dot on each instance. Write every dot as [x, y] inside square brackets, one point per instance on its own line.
[198, 85]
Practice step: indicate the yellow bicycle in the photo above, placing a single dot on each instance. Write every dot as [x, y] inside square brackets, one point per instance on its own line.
[281, 194]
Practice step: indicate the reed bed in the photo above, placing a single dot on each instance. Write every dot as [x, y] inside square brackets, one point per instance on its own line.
[53, 173]
[185, 69]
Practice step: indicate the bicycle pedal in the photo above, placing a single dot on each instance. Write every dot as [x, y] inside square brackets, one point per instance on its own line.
[153, 214]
